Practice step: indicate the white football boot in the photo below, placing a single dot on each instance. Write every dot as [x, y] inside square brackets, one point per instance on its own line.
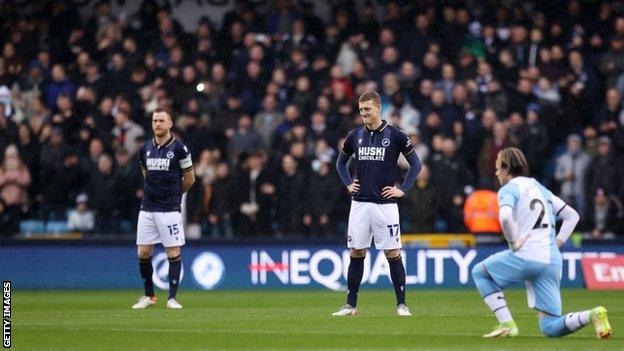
[173, 304]
[145, 302]
[346, 310]
[403, 310]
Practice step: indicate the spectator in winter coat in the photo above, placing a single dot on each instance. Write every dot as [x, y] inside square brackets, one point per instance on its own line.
[320, 198]
[81, 219]
[103, 196]
[220, 204]
[290, 186]
[421, 203]
[570, 171]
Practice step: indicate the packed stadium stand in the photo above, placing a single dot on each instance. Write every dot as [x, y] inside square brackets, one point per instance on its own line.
[264, 95]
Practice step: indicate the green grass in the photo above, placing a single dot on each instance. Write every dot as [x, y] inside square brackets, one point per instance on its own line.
[443, 320]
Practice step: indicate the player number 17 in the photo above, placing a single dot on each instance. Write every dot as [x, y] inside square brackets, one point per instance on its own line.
[395, 231]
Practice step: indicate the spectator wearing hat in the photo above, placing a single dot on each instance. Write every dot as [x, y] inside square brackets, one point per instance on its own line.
[6, 98]
[81, 218]
[570, 170]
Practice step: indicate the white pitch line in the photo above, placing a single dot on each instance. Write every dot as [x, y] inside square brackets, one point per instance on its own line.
[262, 331]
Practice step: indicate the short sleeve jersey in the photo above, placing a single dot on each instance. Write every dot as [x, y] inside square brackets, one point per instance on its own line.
[164, 165]
[535, 209]
[376, 152]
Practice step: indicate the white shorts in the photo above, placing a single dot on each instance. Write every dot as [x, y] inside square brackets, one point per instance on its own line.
[368, 220]
[160, 227]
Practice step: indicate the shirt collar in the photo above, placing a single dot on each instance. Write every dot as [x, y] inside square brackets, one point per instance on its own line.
[383, 126]
[166, 144]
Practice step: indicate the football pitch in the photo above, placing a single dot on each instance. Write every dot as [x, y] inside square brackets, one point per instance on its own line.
[280, 320]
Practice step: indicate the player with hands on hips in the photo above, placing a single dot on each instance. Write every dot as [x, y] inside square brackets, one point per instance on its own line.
[374, 213]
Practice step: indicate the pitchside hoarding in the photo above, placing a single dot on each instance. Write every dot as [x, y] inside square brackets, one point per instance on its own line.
[604, 273]
[252, 267]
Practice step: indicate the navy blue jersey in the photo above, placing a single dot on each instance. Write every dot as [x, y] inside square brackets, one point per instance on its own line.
[164, 165]
[377, 153]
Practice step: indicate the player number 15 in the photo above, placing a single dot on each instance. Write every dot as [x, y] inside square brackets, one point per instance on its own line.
[173, 229]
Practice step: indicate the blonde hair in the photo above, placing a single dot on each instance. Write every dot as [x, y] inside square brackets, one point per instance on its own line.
[370, 95]
[513, 160]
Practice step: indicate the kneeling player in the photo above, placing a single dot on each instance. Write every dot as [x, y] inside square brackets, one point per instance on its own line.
[168, 170]
[527, 215]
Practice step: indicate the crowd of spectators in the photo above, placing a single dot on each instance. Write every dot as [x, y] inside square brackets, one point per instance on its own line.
[264, 99]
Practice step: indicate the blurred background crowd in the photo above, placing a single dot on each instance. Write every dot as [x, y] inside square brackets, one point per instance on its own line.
[264, 97]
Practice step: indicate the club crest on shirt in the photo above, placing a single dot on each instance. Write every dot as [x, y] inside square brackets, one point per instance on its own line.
[148, 153]
[385, 142]
[170, 154]
[359, 140]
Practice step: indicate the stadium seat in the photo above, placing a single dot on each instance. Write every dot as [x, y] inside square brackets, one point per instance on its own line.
[31, 226]
[57, 227]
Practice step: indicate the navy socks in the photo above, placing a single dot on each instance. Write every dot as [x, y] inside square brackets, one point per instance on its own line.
[146, 269]
[354, 278]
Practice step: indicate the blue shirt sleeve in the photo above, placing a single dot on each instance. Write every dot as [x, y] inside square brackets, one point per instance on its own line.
[508, 195]
[405, 145]
[347, 147]
[344, 156]
[415, 167]
[343, 170]
[142, 156]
